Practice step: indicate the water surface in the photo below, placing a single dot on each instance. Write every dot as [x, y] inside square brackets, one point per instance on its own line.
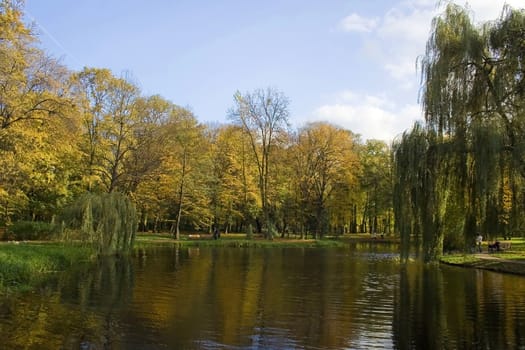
[358, 297]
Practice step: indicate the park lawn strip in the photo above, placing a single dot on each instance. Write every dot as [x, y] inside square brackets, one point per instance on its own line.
[240, 240]
[25, 266]
[232, 240]
[510, 261]
[491, 263]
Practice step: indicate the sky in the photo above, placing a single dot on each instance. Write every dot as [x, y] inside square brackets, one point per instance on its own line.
[349, 62]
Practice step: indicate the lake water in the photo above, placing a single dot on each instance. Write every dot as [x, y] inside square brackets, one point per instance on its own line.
[358, 297]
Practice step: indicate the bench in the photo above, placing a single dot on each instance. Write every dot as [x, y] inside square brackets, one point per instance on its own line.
[504, 246]
[499, 246]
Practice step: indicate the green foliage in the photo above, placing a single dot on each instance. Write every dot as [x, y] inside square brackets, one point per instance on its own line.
[24, 266]
[32, 230]
[107, 221]
[263, 116]
[473, 159]
[249, 232]
[63, 133]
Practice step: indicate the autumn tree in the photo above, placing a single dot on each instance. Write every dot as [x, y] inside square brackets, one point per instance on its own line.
[375, 184]
[262, 114]
[326, 160]
[233, 190]
[111, 123]
[186, 167]
[34, 114]
[144, 164]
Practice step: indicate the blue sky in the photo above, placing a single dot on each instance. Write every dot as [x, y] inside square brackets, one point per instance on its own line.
[349, 62]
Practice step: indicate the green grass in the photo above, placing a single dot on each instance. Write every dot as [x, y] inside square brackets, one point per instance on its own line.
[510, 261]
[232, 240]
[460, 259]
[24, 266]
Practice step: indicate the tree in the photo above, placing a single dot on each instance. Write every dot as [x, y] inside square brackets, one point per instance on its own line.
[32, 84]
[262, 114]
[375, 182]
[107, 221]
[34, 109]
[111, 124]
[186, 166]
[325, 160]
[153, 115]
[472, 94]
[144, 165]
[233, 190]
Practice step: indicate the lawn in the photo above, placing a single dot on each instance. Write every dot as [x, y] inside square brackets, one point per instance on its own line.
[24, 266]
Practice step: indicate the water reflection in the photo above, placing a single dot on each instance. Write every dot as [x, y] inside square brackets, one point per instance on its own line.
[232, 298]
[447, 307]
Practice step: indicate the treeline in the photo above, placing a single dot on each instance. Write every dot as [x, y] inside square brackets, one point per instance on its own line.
[462, 172]
[65, 133]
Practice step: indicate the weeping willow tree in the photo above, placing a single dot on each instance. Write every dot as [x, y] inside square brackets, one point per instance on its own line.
[409, 153]
[107, 221]
[468, 175]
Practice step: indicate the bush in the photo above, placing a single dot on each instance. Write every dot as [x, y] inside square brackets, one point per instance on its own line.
[106, 220]
[31, 230]
[249, 232]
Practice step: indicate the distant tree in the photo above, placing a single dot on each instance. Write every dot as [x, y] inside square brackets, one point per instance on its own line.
[144, 164]
[186, 167]
[376, 184]
[233, 189]
[326, 160]
[111, 123]
[262, 114]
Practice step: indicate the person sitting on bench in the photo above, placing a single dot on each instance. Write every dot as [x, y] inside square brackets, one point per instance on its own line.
[494, 247]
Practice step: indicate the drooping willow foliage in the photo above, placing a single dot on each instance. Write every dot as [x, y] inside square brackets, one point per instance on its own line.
[108, 221]
[463, 171]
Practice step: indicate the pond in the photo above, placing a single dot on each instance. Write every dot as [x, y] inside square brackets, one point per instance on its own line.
[358, 297]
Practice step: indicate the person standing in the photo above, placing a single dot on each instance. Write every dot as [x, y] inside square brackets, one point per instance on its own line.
[479, 240]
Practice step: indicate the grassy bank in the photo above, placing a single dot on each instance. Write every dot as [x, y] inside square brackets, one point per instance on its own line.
[233, 240]
[508, 261]
[25, 266]
[240, 240]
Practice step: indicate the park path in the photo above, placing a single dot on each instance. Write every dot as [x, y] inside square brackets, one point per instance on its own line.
[488, 256]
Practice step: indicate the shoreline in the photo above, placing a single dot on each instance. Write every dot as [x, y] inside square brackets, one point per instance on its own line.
[485, 261]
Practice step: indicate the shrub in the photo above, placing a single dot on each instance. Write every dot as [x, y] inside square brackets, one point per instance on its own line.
[107, 220]
[249, 232]
[31, 230]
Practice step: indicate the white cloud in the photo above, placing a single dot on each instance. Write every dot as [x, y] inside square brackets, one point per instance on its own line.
[356, 23]
[399, 36]
[394, 40]
[373, 117]
[409, 25]
[488, 10]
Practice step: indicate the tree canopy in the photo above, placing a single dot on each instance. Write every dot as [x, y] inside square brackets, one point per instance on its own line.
[468, 157]
[64, 133]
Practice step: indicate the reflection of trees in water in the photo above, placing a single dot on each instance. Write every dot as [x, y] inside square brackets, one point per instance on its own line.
[258, 298]
[461, 309]
[104, 287]
[79, 308]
